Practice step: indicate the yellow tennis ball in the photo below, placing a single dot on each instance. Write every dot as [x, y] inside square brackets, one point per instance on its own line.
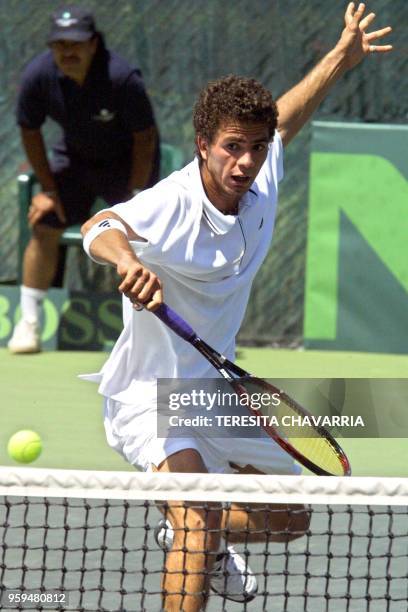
[24, 446]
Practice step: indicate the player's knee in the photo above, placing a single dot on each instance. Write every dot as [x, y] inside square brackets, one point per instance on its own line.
[288, 523]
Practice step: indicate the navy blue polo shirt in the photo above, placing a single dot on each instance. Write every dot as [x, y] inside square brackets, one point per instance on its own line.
[97, 118]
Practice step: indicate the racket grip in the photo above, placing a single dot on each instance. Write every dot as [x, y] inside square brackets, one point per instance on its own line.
[175, 322]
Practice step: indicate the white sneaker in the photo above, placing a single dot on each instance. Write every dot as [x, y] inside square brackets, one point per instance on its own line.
[164, 534]
[231, 576]
[25, 338]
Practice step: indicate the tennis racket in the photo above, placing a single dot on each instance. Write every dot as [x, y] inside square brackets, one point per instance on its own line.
[311, 445]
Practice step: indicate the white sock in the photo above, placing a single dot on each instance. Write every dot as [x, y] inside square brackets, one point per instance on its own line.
[31, 303]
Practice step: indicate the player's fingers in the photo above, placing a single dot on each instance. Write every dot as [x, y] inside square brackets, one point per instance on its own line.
[380, 48]
[156, 300]
[138, 284]
[348, 16]
[129, 278]
[149, 288]
[378, 34]
[355, 15]
[365, 22]
[141, 289]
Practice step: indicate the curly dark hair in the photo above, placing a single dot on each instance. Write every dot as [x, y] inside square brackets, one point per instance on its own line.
[233, 98]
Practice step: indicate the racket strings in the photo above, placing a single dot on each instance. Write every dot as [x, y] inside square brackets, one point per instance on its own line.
[293, 425]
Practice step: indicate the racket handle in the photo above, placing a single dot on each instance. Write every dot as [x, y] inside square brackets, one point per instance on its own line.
[175, 322]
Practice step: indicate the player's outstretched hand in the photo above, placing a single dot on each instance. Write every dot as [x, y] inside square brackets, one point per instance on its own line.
[355, 42]
[139, 284]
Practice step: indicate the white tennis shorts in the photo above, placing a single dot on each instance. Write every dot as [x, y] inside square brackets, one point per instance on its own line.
[131, 430]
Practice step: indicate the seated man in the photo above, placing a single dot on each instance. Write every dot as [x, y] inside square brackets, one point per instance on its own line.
[109, 147]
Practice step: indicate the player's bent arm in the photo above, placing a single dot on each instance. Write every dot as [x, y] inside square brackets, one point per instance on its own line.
[109, 214]
[106, 240]
[298, 104]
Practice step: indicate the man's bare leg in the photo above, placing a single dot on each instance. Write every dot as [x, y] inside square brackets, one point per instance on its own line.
[185, 582]
[39, 267]
[284, 522]
[41, 257]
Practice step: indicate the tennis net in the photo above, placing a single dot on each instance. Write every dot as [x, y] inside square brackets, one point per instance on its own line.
[90, 537]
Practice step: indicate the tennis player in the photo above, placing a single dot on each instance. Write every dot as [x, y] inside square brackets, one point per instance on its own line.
[200, 236]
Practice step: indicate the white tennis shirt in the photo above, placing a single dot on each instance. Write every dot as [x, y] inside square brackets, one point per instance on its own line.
[206, 261]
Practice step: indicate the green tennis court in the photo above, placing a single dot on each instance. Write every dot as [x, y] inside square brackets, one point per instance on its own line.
[42, 392]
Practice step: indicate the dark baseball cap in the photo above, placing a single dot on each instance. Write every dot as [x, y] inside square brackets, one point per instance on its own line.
[72, 23]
